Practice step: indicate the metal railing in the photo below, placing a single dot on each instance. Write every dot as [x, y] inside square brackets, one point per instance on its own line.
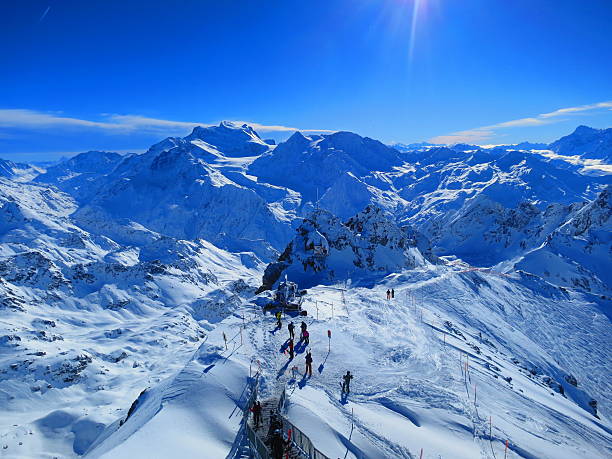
[298, 438]
[258, 447]
[256, 444]
[302, 441]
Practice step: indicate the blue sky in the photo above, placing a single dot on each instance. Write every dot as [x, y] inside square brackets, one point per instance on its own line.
[120, 75]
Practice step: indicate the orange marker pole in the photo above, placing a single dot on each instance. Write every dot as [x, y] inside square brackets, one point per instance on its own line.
[506, 450]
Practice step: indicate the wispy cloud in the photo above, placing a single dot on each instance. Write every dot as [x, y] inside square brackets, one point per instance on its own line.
[487, 132]
[117, 124]
[44, 14]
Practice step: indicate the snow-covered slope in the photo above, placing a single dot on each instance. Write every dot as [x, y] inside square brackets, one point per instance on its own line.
[80, 175]
[577, 254]
[187, 188]
[122, 278]
[488, 206]
[87, 323]
[325, 249]
[20, 172]
[586, 142]
[456, 365]
[313, 164]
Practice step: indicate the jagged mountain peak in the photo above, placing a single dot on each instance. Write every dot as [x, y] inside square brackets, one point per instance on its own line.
[587, 142]
[230, 138]
[368, 245]
[582, 129]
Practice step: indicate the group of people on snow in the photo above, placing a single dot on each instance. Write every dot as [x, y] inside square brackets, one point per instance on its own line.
[390, 294]
[275, 437]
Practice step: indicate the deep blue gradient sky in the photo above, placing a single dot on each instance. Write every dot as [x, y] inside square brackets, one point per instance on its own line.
[363, 65]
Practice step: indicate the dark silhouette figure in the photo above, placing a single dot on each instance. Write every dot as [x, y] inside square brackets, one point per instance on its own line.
[308, 364]
[291, 328]
[256, 410]
[303, 327]
[277, 444]
[291, 349]
[392, 293]
[346, 385]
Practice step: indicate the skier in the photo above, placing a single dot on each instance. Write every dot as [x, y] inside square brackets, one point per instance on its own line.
[278, 319]
[306, 336]
[388, 294]
[346, 385]
[303, 327]
[291, 328]
[290, 348]
[256, 410]
[392, 293]
[308, 364]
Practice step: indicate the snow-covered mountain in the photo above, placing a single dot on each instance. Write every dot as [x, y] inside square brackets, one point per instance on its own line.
[313, 164]
[18, 171]
[325, 250]
[80, 174]
[586, 142]
[131, 293]
[577, 254]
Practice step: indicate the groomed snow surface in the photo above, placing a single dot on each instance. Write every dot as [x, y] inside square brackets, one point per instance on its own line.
[410, 389]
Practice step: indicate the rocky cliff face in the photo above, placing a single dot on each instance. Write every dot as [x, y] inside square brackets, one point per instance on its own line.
[368, 245]
[577, 255]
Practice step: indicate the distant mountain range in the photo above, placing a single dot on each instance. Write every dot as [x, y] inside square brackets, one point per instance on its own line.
[132, 286]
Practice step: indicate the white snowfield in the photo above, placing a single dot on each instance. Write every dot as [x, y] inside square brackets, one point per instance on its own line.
[410, 390]
[130, 326]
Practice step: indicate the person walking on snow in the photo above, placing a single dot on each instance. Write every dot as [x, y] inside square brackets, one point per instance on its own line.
[308, 364]
[388, 294]
[306, 335]
[392, 293]
[303, 327]
[291, 328]
[290, 348]
[346, 385]
[278, 319]
[256, 410]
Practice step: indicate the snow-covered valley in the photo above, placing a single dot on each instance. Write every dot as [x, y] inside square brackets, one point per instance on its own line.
[132, 292]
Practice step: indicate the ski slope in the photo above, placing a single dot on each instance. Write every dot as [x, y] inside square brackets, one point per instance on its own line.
[411, 390]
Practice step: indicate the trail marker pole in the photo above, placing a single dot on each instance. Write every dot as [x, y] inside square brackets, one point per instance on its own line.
[421, 455]
[241, 336]
[506, 450]
[317, 306]
[329, 340]
[474, 394]
[225, 339]
[490, 428]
